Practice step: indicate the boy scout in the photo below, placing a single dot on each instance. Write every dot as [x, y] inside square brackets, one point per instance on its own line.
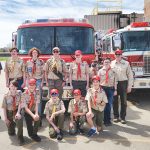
[31, 98]
[55, 72]
[34, 69]
[15, 69]
[54, 110]
[79, 73]
[12, 107]
[97, 100]
[77, 109]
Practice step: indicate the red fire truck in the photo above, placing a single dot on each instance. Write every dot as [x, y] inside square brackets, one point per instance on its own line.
[134, 40]
[67, 33]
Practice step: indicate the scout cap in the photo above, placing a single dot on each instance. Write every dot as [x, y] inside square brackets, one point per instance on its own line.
[77, 92]
[32, 82]
[56, 48]
[118, 52]
[54, 91]
[96, 77]
[78, 52]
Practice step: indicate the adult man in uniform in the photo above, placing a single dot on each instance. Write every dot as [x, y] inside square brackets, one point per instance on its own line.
[55, 72]
[15, 69]
[12, 107]
[97, 100]
[54, 110]
[77, 109]
[125, 81]
[31, 98]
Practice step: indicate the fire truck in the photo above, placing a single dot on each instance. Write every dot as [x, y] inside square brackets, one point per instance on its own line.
[68, 34]
[134, 40]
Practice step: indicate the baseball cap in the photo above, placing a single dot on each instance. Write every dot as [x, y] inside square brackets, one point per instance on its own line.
[96, 77]
[118, 52]
[32, 82]
[77, 92]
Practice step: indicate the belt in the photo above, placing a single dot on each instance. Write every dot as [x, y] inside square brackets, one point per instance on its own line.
[107, 87]
[16, 78]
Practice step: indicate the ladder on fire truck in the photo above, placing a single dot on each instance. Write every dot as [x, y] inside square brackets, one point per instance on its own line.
[107, 6]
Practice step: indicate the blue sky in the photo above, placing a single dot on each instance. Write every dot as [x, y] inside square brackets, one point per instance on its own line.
[14, 12]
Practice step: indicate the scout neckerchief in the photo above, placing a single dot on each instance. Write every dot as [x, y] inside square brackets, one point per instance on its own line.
[14, 105]
[34, 66]
[107, 75]
[76, 109]
[95, 97]
[31, 102]
[78, 70]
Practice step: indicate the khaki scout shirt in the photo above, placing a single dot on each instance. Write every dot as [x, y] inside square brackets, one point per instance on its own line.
[8, 100]
[15, 68]
[82, 106]
[26, 98]
[112, 81]
[84, 71]
[59, 105]
[101, 96]
[123, 71]
[39, 68]
[61, 67]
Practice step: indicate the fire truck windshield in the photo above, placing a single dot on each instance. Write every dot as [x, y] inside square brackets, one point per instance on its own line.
[68, 39]
[136, 41]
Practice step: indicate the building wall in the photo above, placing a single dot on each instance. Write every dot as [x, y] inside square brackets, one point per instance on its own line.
[106, 21]
[147, 10]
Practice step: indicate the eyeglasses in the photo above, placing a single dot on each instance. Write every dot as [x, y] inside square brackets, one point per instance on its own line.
[54, 94]
[55, 51]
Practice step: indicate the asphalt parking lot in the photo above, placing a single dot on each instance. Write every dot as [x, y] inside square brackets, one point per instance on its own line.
[135, 135]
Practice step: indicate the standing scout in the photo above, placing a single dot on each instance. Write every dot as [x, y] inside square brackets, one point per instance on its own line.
[97, 100]
[34, 69]
[79, 73]
[77, 109]
[31, 98]
[12, 107]
[55, 72]
[54, 110]
[109, 84]
[125, 81]
[15, 69]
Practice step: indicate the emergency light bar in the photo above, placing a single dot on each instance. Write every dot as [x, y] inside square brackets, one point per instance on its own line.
[82, 20]
[140, 24]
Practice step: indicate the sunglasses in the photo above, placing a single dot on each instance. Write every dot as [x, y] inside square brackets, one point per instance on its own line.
[118, 54]
[54, 94]
[77, 55]
[76, 95]
[55, 51]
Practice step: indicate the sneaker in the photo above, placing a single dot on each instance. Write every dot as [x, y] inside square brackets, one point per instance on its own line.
[81, 131]
[116, 120]
[123, 121]
[91, 132]
[21, 141]
[108, 124]
[59, 136]
[36, 138]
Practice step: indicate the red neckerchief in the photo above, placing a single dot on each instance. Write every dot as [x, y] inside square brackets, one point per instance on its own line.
[31, 102]
[14, 105]
[34, 66]
[76, 107]
[78, 70]
[107, 75]
[95, 95]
